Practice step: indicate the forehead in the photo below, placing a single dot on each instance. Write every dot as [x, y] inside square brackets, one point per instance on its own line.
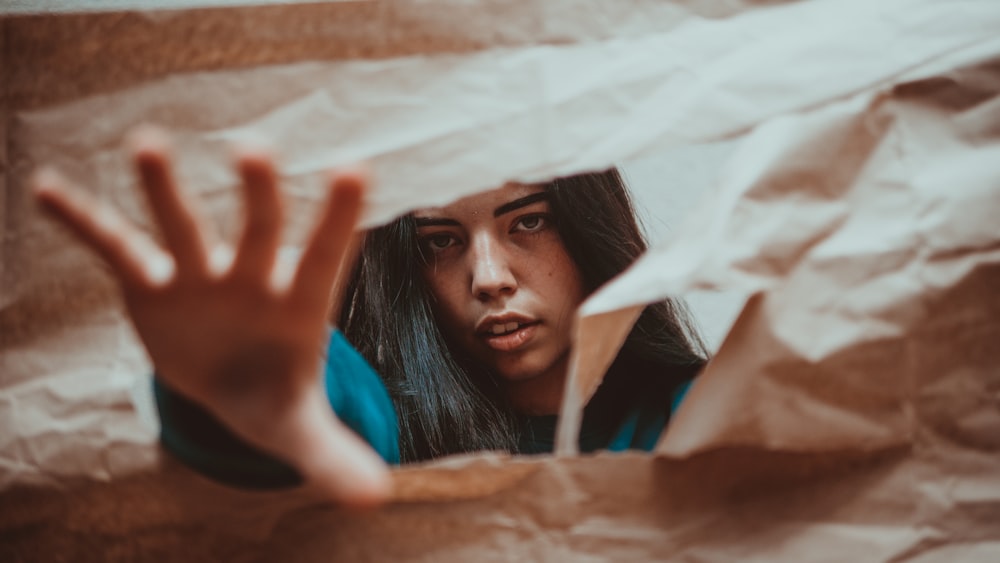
[483, 203]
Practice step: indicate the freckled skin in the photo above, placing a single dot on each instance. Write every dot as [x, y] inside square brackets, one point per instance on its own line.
[516, 262]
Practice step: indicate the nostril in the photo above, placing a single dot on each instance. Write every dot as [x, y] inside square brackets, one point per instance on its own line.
[488, 294]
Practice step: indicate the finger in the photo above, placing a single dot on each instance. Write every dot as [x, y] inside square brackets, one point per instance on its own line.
[330, 240]
[262, 232]
[136, 260]
[332, 458]
[179, 224]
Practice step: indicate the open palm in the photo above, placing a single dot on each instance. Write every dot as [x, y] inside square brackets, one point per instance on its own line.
[237, 330]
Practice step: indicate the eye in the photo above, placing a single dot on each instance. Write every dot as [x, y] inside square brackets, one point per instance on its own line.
[440, 241]
[531, 223]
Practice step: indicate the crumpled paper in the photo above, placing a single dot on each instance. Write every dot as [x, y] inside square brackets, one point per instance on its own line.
[852, 413]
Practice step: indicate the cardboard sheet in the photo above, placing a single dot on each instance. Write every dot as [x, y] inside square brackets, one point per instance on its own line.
[853, 412]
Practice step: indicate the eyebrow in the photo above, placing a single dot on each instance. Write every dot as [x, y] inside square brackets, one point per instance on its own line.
[520, 202]
[503, 209]
[435, 222]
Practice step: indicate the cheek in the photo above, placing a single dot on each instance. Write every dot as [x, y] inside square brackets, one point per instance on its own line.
[562, 282]
[447, 303]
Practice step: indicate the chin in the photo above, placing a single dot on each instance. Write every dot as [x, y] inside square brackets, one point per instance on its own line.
[526, 365]
[515, 375]
[522, 370]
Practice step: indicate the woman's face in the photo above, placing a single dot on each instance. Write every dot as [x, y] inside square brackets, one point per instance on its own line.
[505, 287]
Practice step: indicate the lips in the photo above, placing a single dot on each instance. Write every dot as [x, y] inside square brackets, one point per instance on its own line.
[506, 332]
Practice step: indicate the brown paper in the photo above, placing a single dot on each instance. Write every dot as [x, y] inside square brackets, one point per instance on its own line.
[851, 413]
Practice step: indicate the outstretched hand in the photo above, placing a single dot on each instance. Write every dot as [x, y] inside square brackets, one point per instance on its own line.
[237, 330]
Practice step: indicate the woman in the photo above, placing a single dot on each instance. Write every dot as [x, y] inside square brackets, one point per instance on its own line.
[464, 310]
[536, 260]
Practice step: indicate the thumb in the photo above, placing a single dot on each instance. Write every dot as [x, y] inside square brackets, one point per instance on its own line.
[331, 457]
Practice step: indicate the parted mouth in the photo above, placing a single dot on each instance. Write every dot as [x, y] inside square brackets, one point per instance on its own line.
[500, 325]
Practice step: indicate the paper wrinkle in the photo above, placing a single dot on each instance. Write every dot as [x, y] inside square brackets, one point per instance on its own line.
[719, 245]
[596, 343]
[43, 412]
[852, 410]
[795, 541]
[637, 79]
[460, 477]
[672, 278]
[558, 91]
[881, 285]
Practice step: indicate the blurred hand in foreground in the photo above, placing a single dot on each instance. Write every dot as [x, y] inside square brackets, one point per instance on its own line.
[236, 330]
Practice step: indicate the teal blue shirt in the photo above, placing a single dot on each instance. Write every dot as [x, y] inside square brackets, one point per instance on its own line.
[632, 419]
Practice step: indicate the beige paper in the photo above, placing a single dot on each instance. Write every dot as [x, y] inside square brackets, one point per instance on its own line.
[850, 415]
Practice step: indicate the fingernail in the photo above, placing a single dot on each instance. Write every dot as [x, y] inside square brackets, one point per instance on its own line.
[46, 180]
[359, 171]
[252, 146]
[146, 139]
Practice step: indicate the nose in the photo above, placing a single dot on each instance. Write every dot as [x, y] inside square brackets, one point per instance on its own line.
[491, 268]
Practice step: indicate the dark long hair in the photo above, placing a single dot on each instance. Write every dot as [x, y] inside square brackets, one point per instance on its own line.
[443, 406]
